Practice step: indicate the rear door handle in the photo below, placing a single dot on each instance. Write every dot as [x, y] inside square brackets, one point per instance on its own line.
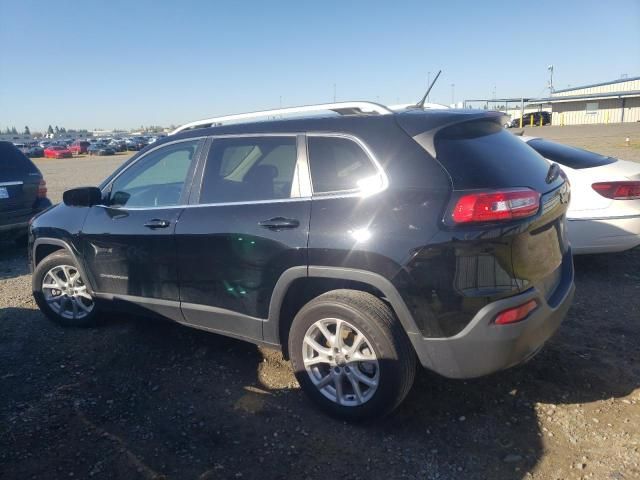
[157, 223]
[279, 223]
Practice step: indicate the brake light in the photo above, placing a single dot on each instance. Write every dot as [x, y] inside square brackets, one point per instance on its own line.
[42, 189]
[516, 314]
[496, 205]
[618, 190]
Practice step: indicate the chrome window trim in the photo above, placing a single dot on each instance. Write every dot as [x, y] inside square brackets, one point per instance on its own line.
[9, 184]
[354, 192]
[302, 167]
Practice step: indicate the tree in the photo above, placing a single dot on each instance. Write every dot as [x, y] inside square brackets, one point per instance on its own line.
[26, 130]
[49, 130]
[63, 130]
[56, 130]
[14, 131]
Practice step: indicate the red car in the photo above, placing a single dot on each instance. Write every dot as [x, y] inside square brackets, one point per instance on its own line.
[79, 147]
[57, 151]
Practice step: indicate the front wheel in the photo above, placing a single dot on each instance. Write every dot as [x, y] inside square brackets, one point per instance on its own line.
[61, 292]
[351, 355]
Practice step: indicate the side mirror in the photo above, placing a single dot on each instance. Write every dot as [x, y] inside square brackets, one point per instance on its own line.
[82, 197]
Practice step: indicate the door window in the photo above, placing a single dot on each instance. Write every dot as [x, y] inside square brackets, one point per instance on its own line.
[157, 179]
[249, 169]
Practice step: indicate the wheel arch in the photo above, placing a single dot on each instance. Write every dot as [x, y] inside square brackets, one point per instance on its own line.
[298, 285]
[45, 246]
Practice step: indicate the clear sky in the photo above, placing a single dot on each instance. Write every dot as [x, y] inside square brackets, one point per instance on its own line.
[107, 64]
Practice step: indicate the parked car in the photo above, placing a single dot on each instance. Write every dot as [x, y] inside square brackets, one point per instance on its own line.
[341, 240]
[34, 151]
[118, 145]
[57, 151]
[23, 192]
[134, 144]
[78, 147]
[526, 121]
[100, 149]
[604, 215]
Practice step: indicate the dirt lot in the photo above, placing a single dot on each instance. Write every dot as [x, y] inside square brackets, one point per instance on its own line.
[140, 399]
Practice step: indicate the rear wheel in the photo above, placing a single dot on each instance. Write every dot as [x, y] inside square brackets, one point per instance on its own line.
[351, 355]
[61, 292]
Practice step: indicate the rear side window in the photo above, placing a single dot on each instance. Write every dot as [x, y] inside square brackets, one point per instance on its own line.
[338, 164]
[249, 169]
[482, 154]
[571, 157]
[14, 163]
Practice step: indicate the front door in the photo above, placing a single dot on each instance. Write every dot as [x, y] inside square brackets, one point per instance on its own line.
[248, 225]
[128, 243]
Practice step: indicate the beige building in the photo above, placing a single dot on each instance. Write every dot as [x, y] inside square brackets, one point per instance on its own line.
[617, 101]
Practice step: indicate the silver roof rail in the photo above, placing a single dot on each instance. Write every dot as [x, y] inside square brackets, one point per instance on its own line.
[342, 108]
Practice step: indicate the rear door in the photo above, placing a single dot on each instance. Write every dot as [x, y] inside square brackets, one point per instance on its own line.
[247, 224]
[19, 182]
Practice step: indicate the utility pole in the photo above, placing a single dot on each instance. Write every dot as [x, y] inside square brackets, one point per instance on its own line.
[550, 68]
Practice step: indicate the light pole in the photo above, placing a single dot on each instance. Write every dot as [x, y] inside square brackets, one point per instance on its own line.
[453, 94]
[550, 68]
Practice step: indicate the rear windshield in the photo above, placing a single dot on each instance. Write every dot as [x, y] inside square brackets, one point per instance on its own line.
[571, 157]
[13, 163]
[482, 154]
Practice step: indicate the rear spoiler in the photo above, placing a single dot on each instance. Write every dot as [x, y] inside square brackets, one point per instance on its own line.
[423, 126]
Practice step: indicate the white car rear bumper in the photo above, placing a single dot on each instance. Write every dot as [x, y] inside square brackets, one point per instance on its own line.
[604, 234]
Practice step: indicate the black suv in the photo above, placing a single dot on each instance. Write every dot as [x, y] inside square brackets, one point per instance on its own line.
[23, 193]
[358, 243]
[528, 118]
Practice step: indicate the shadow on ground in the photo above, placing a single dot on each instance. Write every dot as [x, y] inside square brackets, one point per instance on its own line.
[143, 399]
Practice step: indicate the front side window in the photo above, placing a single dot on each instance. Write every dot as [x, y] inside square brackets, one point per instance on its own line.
[157, 179]
[339, 164]
[249, 169]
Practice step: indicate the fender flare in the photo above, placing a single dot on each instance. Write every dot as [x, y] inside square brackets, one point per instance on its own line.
[66, 246]
[271, 328]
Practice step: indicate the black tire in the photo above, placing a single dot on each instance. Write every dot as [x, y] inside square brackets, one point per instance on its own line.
[58, 258]
[383, 332]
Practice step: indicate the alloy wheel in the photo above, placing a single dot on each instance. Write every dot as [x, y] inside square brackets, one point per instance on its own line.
[340, 362]
[66, 293]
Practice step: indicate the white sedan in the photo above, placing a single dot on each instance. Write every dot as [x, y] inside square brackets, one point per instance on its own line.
[604, 214]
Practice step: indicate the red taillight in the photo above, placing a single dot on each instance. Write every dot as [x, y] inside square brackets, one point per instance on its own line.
[496, 205]
[618, 190]
[516, 314]
[42, 189]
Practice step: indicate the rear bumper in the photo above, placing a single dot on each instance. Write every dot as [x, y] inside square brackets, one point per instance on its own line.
[483, 347]
[604, 234]
[16, 226]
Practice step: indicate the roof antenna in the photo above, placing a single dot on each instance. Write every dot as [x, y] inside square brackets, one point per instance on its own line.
[420, 104]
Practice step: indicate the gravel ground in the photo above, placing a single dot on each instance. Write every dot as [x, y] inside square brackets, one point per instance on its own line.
[142, 399]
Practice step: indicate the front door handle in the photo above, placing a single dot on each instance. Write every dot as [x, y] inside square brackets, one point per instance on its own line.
[279, 223]
[157, 223]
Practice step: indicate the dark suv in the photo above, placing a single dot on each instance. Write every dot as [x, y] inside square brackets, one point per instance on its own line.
[358, 243]
[537, 118]
[23, 193]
